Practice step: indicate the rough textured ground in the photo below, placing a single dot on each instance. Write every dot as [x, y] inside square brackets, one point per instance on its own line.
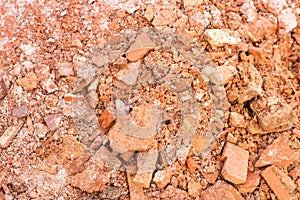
[255, 46]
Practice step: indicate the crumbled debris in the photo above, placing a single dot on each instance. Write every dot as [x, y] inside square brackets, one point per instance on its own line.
[51, 61]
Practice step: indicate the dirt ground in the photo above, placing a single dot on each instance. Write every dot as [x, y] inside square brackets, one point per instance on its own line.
[80, 107]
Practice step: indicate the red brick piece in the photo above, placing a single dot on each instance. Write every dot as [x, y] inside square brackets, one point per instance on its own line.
[140, 47]
[192, 164]
[128, 143]
[251, 183]
[143, 179]
[105, 120]
[162, 177]
[92, 179]
[285, 179]
[221, 190]
[275, 184]
[236, 164]
[278, 153]
[29, 82]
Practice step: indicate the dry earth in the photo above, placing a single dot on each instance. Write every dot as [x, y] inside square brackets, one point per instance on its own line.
[254, 44]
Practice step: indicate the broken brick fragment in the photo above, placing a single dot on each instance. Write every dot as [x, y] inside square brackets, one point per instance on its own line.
[221, 190]
[162, 177]
[106, 120]
[140, 47]
[251, 183]
[278, 153]
[275, 184]
[236, 164]
[128, 143]
[273, 113]
[143, 179]
[91, 179]
[284, 179]
[192, 164]
[29, 81]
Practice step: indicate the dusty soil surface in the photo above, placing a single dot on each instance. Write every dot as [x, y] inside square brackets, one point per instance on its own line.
[79, 121]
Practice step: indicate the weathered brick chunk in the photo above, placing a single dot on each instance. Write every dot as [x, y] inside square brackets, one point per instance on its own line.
[140, 47]
[278, 153]
[127, 143]
[236, 164]
[221, 190]
[251, 183]
[29, 82]
[92, 178]
[275, 184]
[77, 165]
[146, 166]
[284, 179]
[273, 113]
[162, 177]
[194, 188]
[105, 120]
[143, 179]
